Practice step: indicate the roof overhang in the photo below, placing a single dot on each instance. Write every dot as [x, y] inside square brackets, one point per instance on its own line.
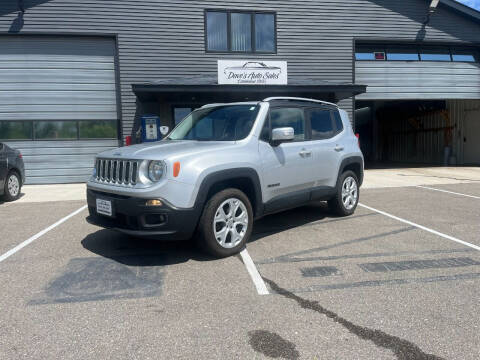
[461, 9]
[171, 92]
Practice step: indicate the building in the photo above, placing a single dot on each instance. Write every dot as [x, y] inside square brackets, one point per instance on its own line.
[77, 76]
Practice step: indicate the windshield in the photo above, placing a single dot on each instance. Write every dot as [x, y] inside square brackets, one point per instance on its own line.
[220, 123]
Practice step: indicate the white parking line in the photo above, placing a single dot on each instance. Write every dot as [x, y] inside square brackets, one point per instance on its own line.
[421, 227]
[36, 236]
[448, 192]
[254, 274]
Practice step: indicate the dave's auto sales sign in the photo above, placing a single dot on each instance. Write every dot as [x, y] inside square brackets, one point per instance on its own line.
[252, 72]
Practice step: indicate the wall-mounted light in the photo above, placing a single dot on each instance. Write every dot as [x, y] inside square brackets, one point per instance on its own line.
[433, 6]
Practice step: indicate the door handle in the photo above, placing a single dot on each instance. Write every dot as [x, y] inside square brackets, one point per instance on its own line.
[305, 153]
[338, 148]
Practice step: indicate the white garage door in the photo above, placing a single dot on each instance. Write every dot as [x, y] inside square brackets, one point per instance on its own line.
[58, 103]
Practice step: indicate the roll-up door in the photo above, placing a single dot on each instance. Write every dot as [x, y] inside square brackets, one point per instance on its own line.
[427, 80]
[58, 103]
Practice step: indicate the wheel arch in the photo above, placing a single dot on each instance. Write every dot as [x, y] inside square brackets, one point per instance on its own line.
[353, 163]
[244, 179]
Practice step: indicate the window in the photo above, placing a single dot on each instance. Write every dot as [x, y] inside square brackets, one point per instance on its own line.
[435, 54]
[338, 122]
[16, 130]
[179, 113]
[219, 123]
[240, 31]
[54, 130]
[289, 117]
[97, 129]
[58, 130]
[415, 52]
[217, 31]
[321, 123]
[465, 55]
[403, 53]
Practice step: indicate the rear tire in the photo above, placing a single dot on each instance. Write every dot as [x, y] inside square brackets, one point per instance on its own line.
[12, 187]
[347, 195]
[226, 223]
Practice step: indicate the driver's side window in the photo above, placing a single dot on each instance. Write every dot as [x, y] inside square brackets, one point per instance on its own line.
[293, 117]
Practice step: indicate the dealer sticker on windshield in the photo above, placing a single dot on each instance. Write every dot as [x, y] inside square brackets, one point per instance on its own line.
[104, 207]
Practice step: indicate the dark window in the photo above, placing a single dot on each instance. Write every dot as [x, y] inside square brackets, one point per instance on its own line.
[402, 53]
[321, 123]
[465, 54]
[180, 113]
[265, 32]
[236, 31]
[16, 130]
[55, 130]
[97, 129]
[338, 121]
[289, 117]
[217, 31]
[435, 54]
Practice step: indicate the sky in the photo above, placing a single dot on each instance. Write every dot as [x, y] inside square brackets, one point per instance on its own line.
[472, 3]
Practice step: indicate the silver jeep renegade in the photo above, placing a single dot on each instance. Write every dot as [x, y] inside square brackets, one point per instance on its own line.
[226, 165]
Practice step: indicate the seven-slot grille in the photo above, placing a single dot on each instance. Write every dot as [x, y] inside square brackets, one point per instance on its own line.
[113, 171]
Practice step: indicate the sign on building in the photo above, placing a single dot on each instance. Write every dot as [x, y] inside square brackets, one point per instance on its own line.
[252, 72]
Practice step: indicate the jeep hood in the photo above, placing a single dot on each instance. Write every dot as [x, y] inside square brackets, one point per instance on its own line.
[163, 149]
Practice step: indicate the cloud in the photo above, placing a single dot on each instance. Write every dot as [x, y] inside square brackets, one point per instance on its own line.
[472, 3]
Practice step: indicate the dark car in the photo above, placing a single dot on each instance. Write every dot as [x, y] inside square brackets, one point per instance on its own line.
[12, 173]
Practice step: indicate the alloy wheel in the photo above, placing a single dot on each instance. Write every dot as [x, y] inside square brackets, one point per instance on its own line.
[230, 223]
[349, 193]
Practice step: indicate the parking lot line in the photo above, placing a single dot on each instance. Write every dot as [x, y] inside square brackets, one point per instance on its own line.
[254, 274]
[421, 227]
[448, 192]
[39, 234]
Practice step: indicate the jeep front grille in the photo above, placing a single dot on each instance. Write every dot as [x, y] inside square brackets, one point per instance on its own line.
[119, 172]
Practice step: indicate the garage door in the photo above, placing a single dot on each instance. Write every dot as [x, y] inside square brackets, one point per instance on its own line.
[58, 103]
[394, 80]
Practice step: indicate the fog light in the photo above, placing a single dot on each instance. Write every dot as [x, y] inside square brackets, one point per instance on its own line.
[154, 202]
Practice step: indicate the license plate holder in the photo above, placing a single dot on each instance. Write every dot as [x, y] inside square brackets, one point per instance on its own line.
[105, 207]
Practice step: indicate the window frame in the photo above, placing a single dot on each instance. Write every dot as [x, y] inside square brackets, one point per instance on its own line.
[307, 129]
[252, 14]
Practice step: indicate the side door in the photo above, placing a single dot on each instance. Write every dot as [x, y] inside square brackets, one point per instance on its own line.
[3, 165]
[326, 131]
[286, 168]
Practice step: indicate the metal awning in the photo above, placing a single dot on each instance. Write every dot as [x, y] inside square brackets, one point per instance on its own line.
[206, 89]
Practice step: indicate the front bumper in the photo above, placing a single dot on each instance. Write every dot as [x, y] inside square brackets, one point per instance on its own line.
[131, 216]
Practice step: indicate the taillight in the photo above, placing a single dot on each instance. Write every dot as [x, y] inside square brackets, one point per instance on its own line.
[358, 138]
[20, 155]
[128, 140]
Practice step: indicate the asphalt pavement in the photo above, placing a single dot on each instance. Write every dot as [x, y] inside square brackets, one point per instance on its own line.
[397, 280]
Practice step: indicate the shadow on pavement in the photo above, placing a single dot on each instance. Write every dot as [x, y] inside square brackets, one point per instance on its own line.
[132, 251]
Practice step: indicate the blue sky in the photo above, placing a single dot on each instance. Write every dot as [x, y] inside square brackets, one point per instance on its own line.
[472, 3]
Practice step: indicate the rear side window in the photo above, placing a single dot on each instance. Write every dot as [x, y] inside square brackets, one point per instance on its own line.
[338, 122]
[289, 117]
[321, 124]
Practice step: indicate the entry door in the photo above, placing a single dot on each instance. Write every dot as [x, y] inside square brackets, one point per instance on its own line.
[471, 146]
[287, 168]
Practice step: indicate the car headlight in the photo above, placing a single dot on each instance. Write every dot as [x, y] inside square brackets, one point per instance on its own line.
[156, 170]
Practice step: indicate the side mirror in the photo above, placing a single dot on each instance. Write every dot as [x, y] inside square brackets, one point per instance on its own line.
[280, 135]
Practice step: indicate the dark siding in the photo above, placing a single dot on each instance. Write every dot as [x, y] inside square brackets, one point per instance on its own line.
[161, 39]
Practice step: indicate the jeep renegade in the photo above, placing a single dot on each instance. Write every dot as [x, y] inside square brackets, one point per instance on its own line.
[226, 165]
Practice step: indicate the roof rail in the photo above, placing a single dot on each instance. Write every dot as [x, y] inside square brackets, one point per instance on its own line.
[298, 99]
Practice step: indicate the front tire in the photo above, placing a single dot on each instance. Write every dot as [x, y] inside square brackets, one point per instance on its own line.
[347, 195]
[226, 223]
[13, 186]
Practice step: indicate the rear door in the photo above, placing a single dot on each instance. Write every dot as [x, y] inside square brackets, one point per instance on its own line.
[327, 150]
[287, 168]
